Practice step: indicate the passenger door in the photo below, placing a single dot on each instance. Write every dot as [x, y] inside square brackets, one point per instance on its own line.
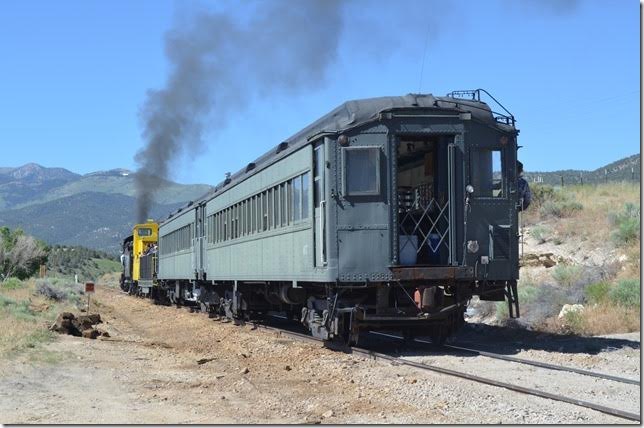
[491, 217]
[362, 208]
[199, 244]
[319, 203]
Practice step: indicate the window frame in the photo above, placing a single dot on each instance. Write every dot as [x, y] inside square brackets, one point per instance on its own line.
[378, 187]
[504, 189]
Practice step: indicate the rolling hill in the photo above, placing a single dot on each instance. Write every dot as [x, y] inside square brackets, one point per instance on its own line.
[627, 169]
[95, 210]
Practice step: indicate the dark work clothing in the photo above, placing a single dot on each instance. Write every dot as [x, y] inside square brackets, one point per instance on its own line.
[524, 193]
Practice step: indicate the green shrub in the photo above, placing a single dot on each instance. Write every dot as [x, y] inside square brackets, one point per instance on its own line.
[17, 308]
[6, 301]
[37, 337]
[627, 224]
[559, 209]
[626, 293]
[527, 293]
[11, 283]
[566, 275]
[58, 289]
[540, 233]
[22, 311]
[574, 321]
[502, 311]
[597, 292]
[542, 193]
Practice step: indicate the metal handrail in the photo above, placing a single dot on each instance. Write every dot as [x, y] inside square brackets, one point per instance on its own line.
[475, 95]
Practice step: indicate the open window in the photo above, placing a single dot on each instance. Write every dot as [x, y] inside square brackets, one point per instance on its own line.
[361, 171]
[487, 173]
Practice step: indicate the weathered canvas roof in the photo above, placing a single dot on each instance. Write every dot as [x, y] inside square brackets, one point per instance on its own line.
[351, 114]
[356, 112]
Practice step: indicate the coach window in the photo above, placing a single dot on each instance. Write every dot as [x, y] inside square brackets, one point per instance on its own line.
[283, 213]
[246, 217]
[240, 219]
[487, 173]
[270, 204]
[289, 201]
[235, 221]
[226, 225]
[305, 196]
[264, 210]
[253, 212]
[297, 199]
[218, 226]
[276, 206]
[361, 166]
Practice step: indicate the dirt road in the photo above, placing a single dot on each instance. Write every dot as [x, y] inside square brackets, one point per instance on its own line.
[166, 365]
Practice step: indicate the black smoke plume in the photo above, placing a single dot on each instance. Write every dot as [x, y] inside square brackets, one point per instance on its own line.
[217, 65]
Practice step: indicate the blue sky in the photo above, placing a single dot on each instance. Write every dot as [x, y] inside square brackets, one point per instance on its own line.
[75, 73]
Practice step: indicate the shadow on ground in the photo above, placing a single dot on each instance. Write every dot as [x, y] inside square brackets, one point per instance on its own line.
[512, 340]
[506, 340]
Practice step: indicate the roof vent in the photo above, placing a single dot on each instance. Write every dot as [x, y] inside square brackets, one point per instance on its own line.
[227, 180]
[281, 147]
[250, 166]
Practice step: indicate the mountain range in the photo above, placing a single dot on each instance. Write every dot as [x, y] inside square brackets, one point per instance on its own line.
[627, 169]
[97, 210]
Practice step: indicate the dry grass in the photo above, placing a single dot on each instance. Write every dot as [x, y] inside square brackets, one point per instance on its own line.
[600, 202]
[606, 319]
[596, 320]
[591, 222]
[607, 222]
[25, 317]
[110, 279]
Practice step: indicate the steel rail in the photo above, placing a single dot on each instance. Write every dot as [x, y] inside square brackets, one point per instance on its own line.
[524, 390]
[524, 361]
[542, 364]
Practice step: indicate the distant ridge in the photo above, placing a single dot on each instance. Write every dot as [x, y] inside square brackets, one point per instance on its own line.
[95, 210]
[91, 219]
[626, 169]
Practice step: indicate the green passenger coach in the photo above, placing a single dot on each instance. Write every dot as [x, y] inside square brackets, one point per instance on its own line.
[385, 214]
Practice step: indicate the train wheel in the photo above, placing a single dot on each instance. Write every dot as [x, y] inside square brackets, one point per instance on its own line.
[439, 334]
[350, 334]
[408, 335]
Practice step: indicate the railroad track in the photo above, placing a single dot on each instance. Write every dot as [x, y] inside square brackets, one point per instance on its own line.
[463, 375]
[524, 361]
[544, 365]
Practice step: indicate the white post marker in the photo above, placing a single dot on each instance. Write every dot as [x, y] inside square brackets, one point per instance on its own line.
[89, 289]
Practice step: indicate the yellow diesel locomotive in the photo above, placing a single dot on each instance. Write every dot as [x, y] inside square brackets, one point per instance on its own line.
[139, 258]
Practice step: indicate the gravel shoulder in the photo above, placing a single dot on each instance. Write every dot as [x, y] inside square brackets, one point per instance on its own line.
[166, 365]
